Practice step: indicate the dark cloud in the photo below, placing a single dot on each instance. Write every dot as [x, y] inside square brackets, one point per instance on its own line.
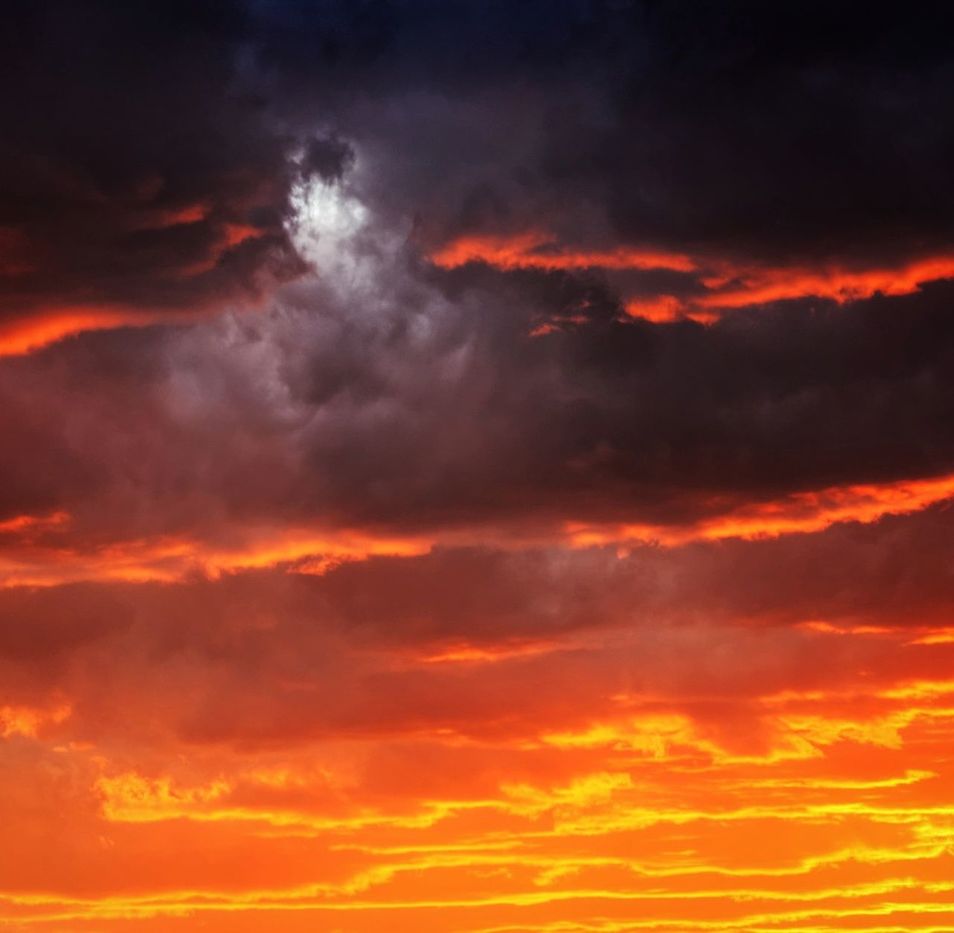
[779, 131]
[384, 393]
[138, 172]
[146, 160]
[417, 406]
[327, 157]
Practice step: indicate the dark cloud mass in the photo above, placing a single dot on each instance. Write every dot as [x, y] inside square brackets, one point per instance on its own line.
[177, 158]
[137, 170]
[148, 166]
[774, 130]
[448, 414]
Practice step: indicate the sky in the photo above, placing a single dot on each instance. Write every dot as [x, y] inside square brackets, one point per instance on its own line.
[476, 466]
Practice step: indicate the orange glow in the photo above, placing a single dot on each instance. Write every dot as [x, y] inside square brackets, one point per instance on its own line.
[814, 511]
[23, 336]
[229, 236]
[46, 326]
[189, 214]
[798, 513]
[736, 288]
[639, 822]
[21, 523]
[728, 284]
[828, 629]
[944, 636]
[41, 562]
[731, 286]
[169, 559]
[29, 721]
[660, 310]
[728, 287]
[239, 233]
[613, 805]
[470, 654]
[667, 308]
[540, 251]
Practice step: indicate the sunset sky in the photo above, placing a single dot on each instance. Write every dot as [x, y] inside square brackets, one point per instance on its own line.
[476, 466]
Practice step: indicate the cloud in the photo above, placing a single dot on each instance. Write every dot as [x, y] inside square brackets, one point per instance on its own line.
[131, 190]
[501, 450]
[384, 398]
[168, 195]
[481, 641]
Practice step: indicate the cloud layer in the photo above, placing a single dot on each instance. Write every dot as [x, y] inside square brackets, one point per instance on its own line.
[475, 466]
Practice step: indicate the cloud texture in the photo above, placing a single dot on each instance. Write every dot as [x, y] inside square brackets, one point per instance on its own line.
[475, 466]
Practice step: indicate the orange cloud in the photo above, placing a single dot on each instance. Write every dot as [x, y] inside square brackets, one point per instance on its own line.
[665, 309]
[464, 653]
[175, 217]
[727, 284]
[741, 287]
[25, 523]
[797, 513]
[44, 326]
[171, 558]
[640, 822]
[48, 326]
[540, 251]
[30, 720]
[30, 557]
[732, 286]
